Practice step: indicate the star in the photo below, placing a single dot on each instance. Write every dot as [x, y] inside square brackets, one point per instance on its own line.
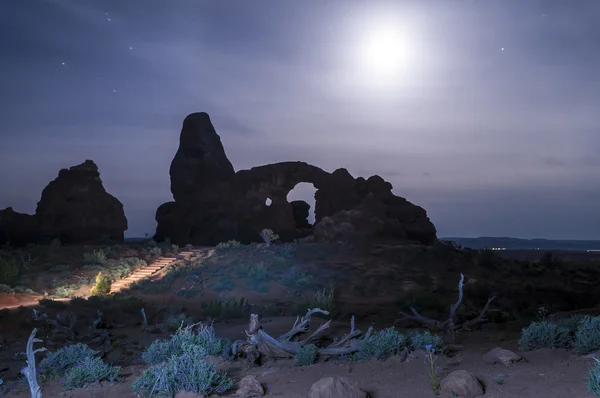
[114, 91]
[131, 48]
[502, 48]
[63, 64]
[108, 19]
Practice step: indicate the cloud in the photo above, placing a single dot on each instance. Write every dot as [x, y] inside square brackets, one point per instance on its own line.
[554, 161]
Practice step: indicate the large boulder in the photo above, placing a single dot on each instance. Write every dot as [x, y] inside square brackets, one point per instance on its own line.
[74, 208]
[213, 204]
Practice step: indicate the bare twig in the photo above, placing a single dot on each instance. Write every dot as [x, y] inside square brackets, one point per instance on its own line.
[449, 323]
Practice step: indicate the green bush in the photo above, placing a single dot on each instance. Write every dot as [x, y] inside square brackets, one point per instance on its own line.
[58, 363]
[544, 335]
[91, 370]
[189, 371]
[307, 355]
[97, 257]
[102, 286]
[418, 341]
[231, 244]
[9, 272]
[587, 335]
[594, 379]
[204, 337]
[382, 344]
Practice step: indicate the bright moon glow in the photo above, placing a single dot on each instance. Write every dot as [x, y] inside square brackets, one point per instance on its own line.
[386, 54]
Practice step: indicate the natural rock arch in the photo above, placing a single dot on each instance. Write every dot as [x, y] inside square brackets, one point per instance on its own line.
[208, 210]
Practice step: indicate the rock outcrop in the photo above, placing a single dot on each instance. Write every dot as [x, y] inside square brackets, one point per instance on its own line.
[74, 208]
[200, 160]
[213, 204]
[18, 229]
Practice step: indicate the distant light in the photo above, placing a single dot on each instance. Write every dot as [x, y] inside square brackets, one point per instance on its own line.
[63, 63]
[502, 48]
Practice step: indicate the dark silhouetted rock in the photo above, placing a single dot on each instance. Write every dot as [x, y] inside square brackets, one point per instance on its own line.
[301, 210]
[213, 205]
[17, 229]
[200, 160]
[74, 208]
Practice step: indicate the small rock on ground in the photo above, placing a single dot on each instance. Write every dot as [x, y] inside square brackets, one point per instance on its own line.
[249, 387]
[461, 384]
[500, 355]
[336, 387]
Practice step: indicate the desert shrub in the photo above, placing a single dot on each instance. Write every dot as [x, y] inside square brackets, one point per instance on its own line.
[287, 250]
[323, 299]
[134, 262]
[185, 337]
[230, 244]
[425, 301]
[121, 270]
[297, 279]
[155, 251]
[587, 335]
[571, 322]
[593, 384]
[102, 286]
[544, 335]
[188, 293]
[259, 272]
[226, 308]
[9, 272]
[97, 257]
[47, 303]
[307, 355]
[382, 344]
[65, 291]
[24, 289]
[257, 275]
[189, 371]
[268, 236]
[58, 363]
[90, 370]
[224, 283]
[6, 289]
[419, 341]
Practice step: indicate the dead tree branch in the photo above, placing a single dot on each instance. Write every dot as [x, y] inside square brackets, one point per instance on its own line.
[30, 371]
[259, 342]
[448, 324]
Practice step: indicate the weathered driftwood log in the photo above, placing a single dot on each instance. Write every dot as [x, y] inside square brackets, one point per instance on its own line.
[448, 324]
[288, 344]
[30, 370]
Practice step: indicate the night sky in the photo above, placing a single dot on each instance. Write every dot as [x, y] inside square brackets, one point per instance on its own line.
[484, 112]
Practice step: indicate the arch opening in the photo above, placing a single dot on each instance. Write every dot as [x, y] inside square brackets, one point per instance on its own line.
[302, 198]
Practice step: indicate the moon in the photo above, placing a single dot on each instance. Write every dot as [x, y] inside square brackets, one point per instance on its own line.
[386, 53]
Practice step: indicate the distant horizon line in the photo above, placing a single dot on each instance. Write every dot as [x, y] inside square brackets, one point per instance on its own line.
[457, 237]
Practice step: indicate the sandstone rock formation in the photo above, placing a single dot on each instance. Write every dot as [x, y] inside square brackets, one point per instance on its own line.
[74, 208]
[213, 205]
[200, 160]
[17, 228]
